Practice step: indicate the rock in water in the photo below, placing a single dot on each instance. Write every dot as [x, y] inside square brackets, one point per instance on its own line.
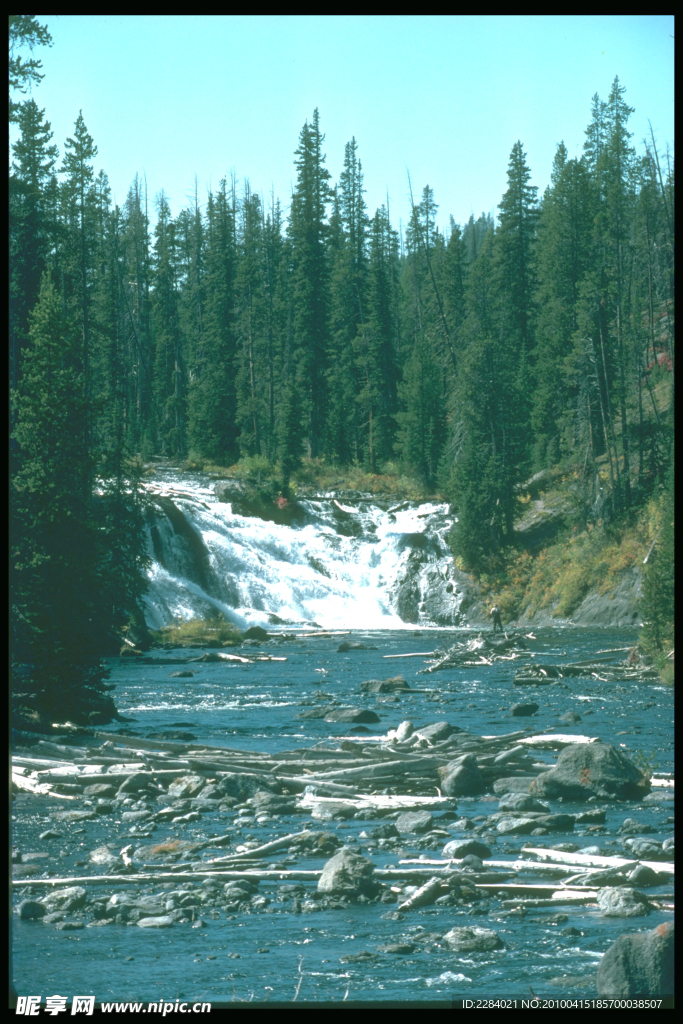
[592, 769]
[348, 873]
[256, 633]
[71, 898]
[437, 731]
[462, 777]
[30, 910]
[473, 940]
[623, 903]
[352, 715]
[521, 802]
[640, 965]
[523, 710]
[458, 848]
[414, 822]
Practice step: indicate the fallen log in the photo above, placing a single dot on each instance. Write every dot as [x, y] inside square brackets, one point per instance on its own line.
[577, 900]
[425, 895]
[593, 860]
[416, 654]
[261, 851]
[25, 785]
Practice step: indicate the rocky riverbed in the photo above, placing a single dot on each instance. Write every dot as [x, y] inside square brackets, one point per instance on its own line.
[427, 858]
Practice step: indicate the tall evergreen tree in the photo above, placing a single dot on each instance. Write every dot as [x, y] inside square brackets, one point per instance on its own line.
[58, 625]
[308, 233]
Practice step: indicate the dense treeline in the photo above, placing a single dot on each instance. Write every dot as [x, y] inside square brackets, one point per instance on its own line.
[234, 329]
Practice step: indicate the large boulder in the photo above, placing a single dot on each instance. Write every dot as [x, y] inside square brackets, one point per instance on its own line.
[640, 965]
[526, 824]
[348, 873]
[414, 822]
[352, 715]
[72, 898]
[524, 710]
[592, 769]
[458, 848]
[462, 777]
[473, 940]
[395, 685]
[617, 902]
[437, 731]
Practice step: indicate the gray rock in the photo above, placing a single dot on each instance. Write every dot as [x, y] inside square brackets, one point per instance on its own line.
[187, 786]
[524, 826]
[608, 877]
[623, 903]
[621, 607]
[596, 817]
[473, 940]
[164, 921]
[348, 873]
[462, 777]
[395, 685]
[414, 822]
[134, 783]
[668, 846]
[245, 886]
[352, 715]
[647, 849]
[592, 769]
[397, 948]
[513, 784]
[386, 831]
[71, 898]
[333, 811]
[404, 731]
[69, 926]
[51, 833]
[437, 731]
[101, 789]
[644, 877]
[30, 910]
[639, 965]
[524, 710]
[633, 827]
[103, 857]
[521, 802]
[458, 848]
[570, 718]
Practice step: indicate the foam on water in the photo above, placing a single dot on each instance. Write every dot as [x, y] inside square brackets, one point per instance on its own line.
[313, 573]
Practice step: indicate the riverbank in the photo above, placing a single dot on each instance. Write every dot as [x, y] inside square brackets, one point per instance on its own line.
[232, 784]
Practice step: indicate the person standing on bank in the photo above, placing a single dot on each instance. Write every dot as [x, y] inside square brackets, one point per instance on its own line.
[497, 621]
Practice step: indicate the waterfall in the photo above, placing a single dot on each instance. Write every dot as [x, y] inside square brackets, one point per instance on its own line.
[357, 564]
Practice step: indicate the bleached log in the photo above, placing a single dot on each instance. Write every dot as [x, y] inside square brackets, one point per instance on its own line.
[37, 788]
[416, 654]
[425, 895]
[593, 860]
[261, 851]
[560, 900]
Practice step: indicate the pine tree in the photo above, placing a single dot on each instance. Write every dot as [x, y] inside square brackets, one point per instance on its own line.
[308, 233]
[212, 400]
[169, 366]
[24, 30]
[31, 227]
[58, 621]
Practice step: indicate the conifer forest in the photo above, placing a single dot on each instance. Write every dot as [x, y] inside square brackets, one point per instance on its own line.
[241, 329]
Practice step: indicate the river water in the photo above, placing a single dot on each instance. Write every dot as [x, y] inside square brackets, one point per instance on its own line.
[292, 947]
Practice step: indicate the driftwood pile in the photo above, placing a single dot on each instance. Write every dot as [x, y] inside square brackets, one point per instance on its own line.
[480, 650]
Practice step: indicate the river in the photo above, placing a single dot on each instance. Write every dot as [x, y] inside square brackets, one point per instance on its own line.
[293, 948]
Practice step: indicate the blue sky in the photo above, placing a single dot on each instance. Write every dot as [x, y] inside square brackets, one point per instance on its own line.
[445, 98]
